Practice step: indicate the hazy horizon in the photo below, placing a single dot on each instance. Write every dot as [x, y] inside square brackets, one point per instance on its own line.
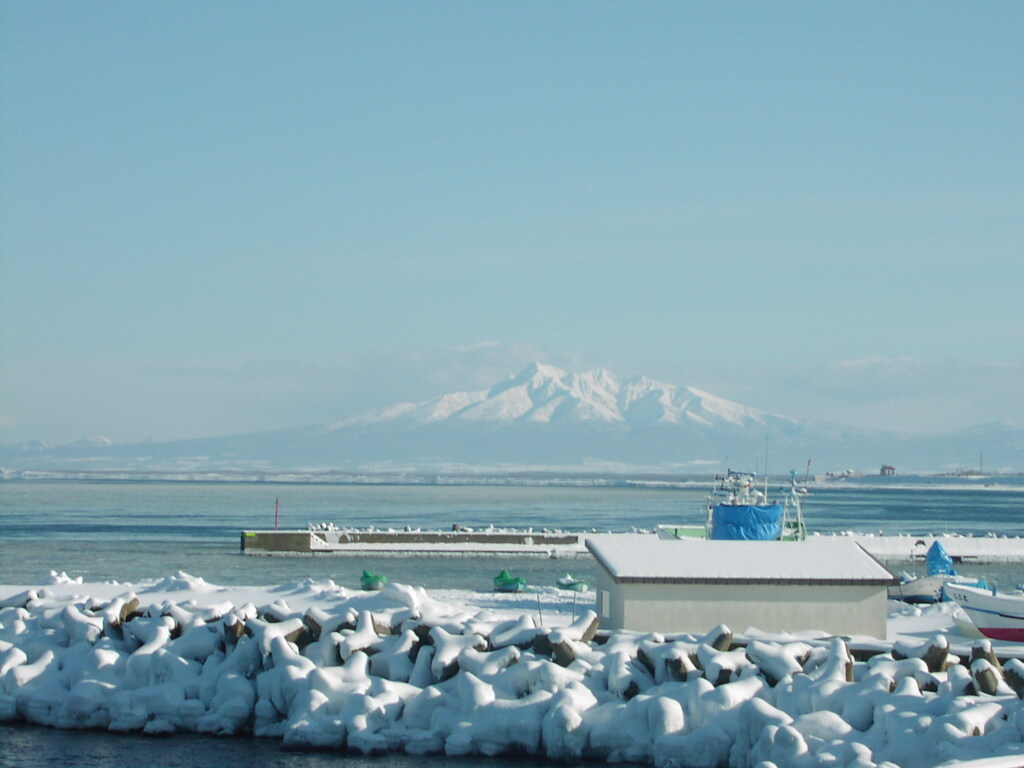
[226, 219]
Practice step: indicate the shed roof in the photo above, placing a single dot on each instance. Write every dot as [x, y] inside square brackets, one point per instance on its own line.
[649, 559]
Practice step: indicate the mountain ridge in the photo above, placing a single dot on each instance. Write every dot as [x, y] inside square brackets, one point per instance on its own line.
[546, 418]
[543, 393]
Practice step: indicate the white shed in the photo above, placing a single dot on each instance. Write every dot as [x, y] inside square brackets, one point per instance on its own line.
[650, 584]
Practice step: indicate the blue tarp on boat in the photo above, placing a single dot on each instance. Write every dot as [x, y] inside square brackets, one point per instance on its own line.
[746, 522]
[939, 561]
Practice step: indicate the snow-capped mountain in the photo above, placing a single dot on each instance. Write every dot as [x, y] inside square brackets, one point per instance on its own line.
[545, 394]
[544, 418]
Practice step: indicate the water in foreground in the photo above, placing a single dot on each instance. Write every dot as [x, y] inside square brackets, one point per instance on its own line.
[31, 746]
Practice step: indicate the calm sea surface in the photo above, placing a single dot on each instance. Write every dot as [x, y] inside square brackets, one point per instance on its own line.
[24, 746]
[137, 530]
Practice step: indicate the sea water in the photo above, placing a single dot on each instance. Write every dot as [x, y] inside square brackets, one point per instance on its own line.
[129, 531]
[137, 530]
[23, 746]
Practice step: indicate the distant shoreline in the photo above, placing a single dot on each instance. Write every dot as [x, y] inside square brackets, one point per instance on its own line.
[552, 479]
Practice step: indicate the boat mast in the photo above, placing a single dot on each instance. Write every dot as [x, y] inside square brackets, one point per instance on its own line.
[766, 467]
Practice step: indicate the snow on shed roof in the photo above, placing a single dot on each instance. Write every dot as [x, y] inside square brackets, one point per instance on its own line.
[645, 558]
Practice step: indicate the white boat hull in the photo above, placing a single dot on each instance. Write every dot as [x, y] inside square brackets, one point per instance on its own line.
[928, 589]
[1000, 617]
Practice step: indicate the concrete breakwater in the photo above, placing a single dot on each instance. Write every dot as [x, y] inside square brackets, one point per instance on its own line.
[341, 541]
[903, 548]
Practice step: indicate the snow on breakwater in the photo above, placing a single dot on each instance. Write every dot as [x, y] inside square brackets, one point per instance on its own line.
[963, 549]
[319, 666]
[326, 539]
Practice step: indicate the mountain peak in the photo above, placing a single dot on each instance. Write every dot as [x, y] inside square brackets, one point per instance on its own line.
[535, 375]
[546, 394]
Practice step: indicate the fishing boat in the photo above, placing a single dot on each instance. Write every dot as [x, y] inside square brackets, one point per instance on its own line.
[739, 509]
[999, 616]
[931, 588]
[573, 583]
[506, 582]
[372, 582]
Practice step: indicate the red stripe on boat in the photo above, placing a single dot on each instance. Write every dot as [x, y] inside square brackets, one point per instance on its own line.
[1003, 633]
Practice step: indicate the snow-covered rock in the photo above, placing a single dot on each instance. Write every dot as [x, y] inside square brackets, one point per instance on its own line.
[402, 670]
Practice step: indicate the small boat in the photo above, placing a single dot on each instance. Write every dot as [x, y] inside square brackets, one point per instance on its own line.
[999, 616]
[372, 581]
[573, 584]
[931, 588]
[506, 582]
[964, 625]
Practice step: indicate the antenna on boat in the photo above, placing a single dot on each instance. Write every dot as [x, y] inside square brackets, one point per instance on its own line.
[766, 466]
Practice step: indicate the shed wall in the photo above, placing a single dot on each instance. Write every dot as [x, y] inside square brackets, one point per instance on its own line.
[698, 608]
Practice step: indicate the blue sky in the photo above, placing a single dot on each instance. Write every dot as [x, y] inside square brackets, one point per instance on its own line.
[226, 217]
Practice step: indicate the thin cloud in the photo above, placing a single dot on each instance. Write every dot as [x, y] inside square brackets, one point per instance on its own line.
[894, 393]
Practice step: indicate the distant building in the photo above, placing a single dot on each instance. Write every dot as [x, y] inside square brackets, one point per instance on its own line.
[648, 584]
[888, 470]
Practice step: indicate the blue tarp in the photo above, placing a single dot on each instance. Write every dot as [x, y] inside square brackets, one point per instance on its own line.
[753, 522]
[939, 562]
